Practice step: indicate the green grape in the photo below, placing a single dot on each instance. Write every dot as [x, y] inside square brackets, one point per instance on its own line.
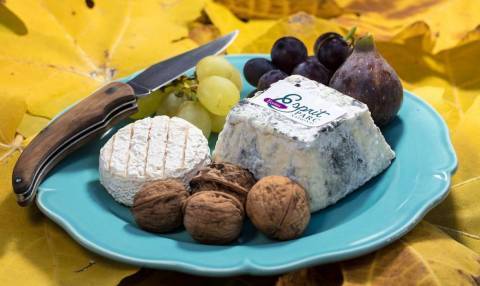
[217, 122]
[147, 105]
[194, 113]
[214, 65]
[170, 105]
[236, 78]
[219, 66]
[217, 94]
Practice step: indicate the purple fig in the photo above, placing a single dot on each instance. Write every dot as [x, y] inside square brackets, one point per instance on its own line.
[367, 77]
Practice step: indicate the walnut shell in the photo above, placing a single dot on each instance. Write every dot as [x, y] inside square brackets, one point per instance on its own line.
[157, 207]
[224, 177]
[213, 217]
[278, 207]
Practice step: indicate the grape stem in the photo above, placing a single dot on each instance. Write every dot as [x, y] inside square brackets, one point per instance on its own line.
[350, 36]
[183, 86]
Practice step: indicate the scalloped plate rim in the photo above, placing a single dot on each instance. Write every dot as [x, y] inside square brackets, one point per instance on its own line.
[246, 265]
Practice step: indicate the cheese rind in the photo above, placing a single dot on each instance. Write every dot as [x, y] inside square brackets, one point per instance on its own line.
[329, 161]
[151, 149]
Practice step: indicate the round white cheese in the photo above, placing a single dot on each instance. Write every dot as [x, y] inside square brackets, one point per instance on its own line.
[151, 149]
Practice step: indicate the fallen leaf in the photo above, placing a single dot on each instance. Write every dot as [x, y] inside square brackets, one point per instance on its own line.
[70, 49]
[301, 25]
[52, 55]
[459, 215]
[226, 22]
[202, 33]
[445, 81]
[387, 19]
[12, 108]
[271, 9]
[426, 256]
[31, 125]
[35, 251]
[182, 12]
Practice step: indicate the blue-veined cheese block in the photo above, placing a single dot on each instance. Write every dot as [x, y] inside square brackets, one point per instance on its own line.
[313, 134]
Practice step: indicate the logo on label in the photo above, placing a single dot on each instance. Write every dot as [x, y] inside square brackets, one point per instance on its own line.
[273, 104]
[292, 103]
[300, 105]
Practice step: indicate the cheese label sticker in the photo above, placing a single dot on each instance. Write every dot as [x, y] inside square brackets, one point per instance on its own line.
[301, 105]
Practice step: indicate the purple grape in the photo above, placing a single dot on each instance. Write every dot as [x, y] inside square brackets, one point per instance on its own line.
[270, 77]
[287, 53]
[314, 70]
[324, 37]
[331, 50]
[255, 68]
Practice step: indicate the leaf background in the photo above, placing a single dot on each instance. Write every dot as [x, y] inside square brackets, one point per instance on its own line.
[54, 53]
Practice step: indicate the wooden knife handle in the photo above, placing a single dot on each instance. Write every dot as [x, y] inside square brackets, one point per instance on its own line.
[84, 121]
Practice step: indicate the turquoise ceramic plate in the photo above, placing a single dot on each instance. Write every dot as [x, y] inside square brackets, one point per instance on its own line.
[380, 212]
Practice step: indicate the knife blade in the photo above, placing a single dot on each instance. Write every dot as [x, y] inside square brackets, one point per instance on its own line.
[164, 72]
[95, 114]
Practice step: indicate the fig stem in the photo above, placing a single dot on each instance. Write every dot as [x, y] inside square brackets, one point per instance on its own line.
[365, 43]
[351, 34]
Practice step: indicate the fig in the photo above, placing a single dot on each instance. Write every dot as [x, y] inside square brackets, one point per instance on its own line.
[367, 77]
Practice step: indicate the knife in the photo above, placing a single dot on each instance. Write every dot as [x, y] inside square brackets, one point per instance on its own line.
[97, 113]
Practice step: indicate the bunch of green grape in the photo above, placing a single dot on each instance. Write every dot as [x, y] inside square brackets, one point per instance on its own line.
[203, 100]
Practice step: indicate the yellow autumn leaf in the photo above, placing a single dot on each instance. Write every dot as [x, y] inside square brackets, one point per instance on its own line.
[450, 21]
[52, 55]
[35, 251]
[274, 9]
[31, 125]
[459, 215]
[258, 36]
[226, 22]
[69, 50]
[12, 112]
[446, 81]
[426, 256]
[202, 33]
[12, 109]
[301, 25]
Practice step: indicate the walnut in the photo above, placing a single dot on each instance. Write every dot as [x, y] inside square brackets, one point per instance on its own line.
[157, 207]
[224, 177]
[278, 207]
[213, 217]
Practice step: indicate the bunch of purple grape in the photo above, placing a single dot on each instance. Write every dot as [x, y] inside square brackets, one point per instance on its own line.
[289, 56]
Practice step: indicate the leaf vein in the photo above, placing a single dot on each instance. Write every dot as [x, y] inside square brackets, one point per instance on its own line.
[448, 229]
[47, 66]
[453, 84]
[81, 52]
[117, 41]
[424, 262]
[471, 180]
